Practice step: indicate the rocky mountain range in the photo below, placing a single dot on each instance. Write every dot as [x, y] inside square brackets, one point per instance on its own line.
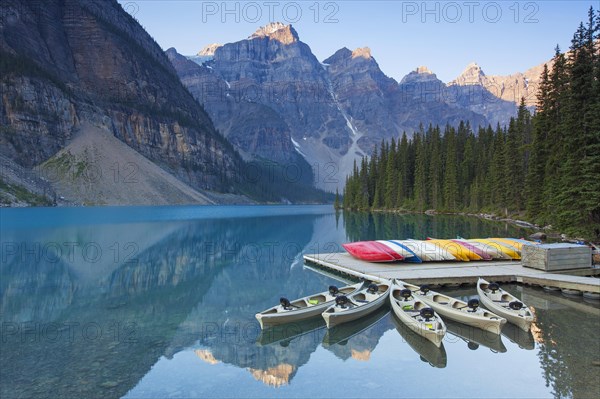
[75, 73]
[68, 64]
[272, 98]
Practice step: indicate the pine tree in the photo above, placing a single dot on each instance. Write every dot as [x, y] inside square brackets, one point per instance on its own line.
[535, 176]
[420, 187]
[391, 178]
[450, 171]
[435, 173]
[404, 163]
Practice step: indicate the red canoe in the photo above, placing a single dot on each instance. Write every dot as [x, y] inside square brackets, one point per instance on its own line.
[372, 251]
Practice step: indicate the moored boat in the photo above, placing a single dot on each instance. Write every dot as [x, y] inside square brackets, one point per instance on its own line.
[504, 304]
[416, 314]
[372, 251]
[304, 308]
[357, 304]
[465, 312]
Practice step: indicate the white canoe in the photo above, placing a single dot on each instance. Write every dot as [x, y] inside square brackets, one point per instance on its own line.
[416, 314]
[303, 308]
[506, 305]
[356, 305]
[426, 251]
[402, 250]
[460, 311]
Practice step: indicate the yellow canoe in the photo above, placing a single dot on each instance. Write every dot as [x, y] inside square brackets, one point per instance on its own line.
[460, 252]
[516, 245]
[521, 242]
[504, 248]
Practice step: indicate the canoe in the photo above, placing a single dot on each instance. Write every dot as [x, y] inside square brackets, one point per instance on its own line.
[372, 251]
[505, 241]
[475, 249]
[506, 249]
[427, 351]
[506, 305]
[522, 241]
[427, 252]
[403, 250]
[416, 249]
[416, 314]
[303, 308]
[456, 249]
[357, 304]
[476, 337]
[489, 250]
[468, 313]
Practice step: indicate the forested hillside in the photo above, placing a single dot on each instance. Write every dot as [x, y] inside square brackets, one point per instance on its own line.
[545, 166]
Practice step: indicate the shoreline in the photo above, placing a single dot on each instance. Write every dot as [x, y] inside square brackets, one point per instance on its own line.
[547, 231]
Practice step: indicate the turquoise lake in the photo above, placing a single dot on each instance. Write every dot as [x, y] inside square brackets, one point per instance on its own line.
[155, 302]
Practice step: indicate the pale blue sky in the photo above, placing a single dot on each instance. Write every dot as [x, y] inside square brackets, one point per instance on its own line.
[503, 37]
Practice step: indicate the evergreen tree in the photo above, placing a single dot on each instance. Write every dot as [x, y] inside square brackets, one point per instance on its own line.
[392, 180]
[420, 187]
[450, 171]
[404, 162]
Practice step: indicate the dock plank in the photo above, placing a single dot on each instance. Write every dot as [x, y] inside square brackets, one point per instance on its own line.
[455, 272]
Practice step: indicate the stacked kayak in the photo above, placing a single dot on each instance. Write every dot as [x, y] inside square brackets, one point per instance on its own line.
[458, 250]
[438, 250]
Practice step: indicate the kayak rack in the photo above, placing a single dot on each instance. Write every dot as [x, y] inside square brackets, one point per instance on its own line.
[457, 273]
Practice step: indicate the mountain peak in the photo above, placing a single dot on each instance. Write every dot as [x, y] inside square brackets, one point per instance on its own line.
[423, 70]
[285, 34]
[472, 74]
[209, 50]
[363, 52]
[419, 75]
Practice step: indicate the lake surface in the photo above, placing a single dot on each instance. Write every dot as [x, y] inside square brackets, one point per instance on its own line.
[159, 302]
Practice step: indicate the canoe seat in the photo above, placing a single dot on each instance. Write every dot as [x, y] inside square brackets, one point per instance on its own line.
[500, 301]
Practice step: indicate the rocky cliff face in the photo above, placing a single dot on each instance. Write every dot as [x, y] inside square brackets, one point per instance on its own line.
[74, 61]
[255, 130]
[363, 94]
[496, 97]
[274, 68]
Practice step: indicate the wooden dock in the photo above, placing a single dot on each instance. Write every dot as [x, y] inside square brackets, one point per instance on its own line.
[451, 273]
